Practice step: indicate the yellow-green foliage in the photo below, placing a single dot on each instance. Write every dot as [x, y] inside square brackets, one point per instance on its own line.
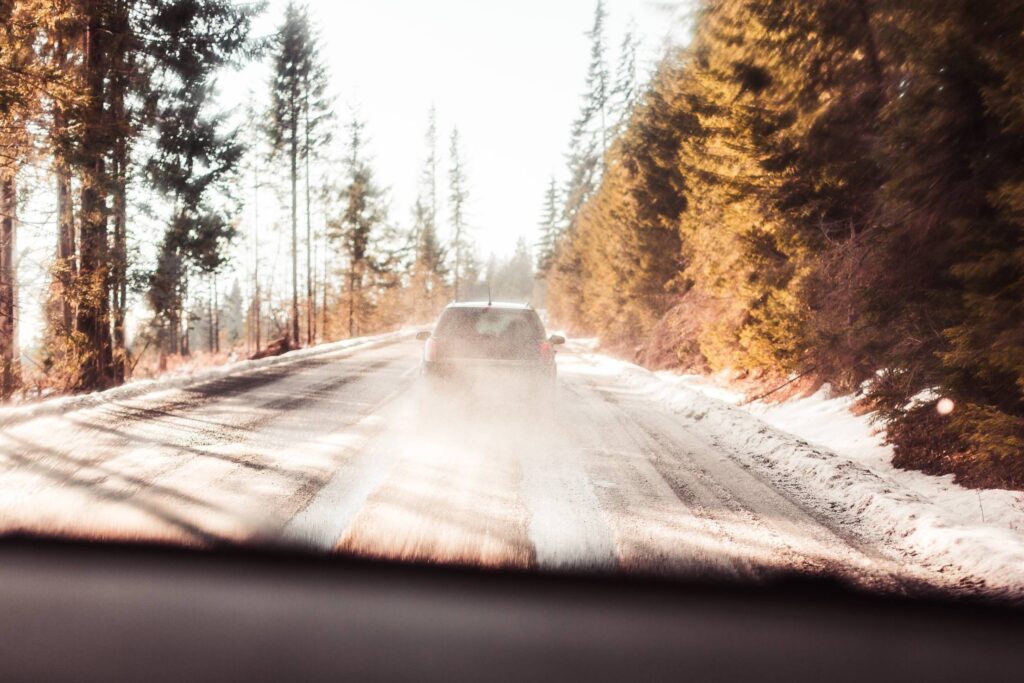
[848, 199]
[614, 271]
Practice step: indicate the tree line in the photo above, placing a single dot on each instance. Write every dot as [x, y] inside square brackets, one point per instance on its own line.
[830, 190]
[108, 95]
[117, 102]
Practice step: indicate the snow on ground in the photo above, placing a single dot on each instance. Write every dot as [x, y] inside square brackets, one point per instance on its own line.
[836, 462]
[183, 377]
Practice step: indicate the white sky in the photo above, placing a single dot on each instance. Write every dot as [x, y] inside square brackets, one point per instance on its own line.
[508, 74]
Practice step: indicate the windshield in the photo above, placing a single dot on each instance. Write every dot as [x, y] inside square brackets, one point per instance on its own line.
[491, 323]
[699, 290]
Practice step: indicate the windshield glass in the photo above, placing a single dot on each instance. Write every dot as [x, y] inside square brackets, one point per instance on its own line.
[754, 273]
[493, 323]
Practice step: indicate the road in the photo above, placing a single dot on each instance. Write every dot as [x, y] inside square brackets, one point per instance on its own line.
[340, 452]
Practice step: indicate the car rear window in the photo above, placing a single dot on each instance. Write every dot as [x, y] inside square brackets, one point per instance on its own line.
[489, 322]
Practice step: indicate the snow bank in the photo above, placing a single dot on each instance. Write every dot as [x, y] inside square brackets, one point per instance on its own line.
[836, 463]
[179, 380]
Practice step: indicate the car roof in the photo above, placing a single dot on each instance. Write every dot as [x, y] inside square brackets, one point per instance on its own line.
[486, 304]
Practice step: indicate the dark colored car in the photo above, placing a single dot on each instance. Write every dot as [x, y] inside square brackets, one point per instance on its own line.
[491, 348]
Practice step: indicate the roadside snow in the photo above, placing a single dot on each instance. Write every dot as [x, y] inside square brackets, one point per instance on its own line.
[178, 380]
[835, 462]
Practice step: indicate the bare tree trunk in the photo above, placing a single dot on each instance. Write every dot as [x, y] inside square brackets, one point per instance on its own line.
[119, 263]
[119, 161]
[173, 333]
[310, 291]
[209, 312]
[352, 302]
[162, 359]
[323, 305]
[186, 315]
[9, 373]
[458, 259]
[67, 266]
[295, 238]
[257, 305]
[93, 318]
[257, 316]
[216, 316]
[312, 295]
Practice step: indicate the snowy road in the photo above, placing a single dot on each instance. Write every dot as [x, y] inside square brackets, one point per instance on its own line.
[337, 452]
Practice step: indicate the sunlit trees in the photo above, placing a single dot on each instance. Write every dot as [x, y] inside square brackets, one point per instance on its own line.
[82, 85]
[589, 137]
[627, 239]
[19, 100]
[829, 190]
[606, 97]
[59, 50]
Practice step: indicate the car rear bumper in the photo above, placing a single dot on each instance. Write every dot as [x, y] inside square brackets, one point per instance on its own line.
[488, 369]
[492, 379]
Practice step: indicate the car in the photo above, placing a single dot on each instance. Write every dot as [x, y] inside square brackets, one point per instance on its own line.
[490, 350]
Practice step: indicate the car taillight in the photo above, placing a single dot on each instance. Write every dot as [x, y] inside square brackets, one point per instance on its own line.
[547, 352]
[430, 351]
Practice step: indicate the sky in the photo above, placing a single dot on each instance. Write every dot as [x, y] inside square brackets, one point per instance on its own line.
[509, 75]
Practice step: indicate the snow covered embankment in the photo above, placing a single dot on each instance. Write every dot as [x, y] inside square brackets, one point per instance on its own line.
[835, 462]
[178, 380]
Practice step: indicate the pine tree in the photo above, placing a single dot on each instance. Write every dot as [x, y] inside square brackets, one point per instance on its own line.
[625, 90]
[316, 118]
[948, 280]
[589, 140]
[428, 179]
[255, 135]
[297, 120]
[58, 51]
[599, 88]
[550, 230]
[18, 105]
[137, 60]
[357, 231]
[232, 316]
[195, 160]
[427, 272]
[93, 311]
[458, 195]
[590, 135]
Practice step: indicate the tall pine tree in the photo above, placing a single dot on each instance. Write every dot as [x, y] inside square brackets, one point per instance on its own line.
[458, 195]
[358, 230]
[297, 118]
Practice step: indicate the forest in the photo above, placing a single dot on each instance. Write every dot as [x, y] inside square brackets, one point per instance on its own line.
[110, 119]
[804, 193]
[818, 192]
